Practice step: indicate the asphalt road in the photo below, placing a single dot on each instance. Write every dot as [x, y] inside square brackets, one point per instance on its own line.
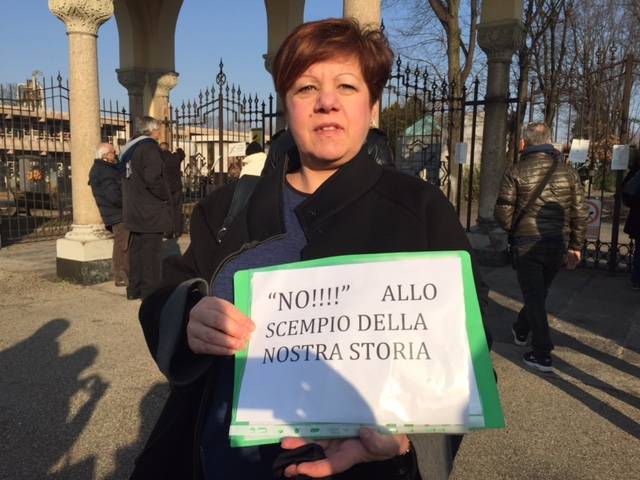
[79, 392]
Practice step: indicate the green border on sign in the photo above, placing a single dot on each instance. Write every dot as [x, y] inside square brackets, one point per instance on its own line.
[485, 378]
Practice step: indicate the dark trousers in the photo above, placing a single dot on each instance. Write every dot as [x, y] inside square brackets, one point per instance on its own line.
[635, 265]
[536, 267]
[145, 257]
[120, 256]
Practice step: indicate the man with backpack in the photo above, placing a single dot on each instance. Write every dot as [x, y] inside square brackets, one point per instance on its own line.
[541, 205]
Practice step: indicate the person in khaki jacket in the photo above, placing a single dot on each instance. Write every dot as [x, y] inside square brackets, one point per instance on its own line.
[541, 205]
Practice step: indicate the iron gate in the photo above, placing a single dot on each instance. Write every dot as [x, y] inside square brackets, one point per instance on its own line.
[426, 119]
[213, 130]
[35, 157]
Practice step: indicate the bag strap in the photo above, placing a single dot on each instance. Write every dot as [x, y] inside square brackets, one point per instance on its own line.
[241, 195]
[534, 196]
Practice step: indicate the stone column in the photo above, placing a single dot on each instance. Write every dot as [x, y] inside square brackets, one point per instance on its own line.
[134, 80]
[367, 13]
[499, 40]
[84, 255]
[282, 17]
[161, 84]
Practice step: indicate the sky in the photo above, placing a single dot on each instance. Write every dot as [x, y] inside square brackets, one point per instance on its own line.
[32, 38]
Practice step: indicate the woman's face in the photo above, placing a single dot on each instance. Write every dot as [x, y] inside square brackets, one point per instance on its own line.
[329, 112]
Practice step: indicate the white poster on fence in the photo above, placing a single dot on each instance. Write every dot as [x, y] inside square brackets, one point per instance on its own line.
[237, 149]
[349, 343]
[579, 151]
[462, 150]
[620, 158]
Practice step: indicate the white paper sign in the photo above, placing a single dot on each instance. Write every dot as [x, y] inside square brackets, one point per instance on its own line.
[237, 149]
[579, 151]
[620, 158]
[380, 343]
[461, 153]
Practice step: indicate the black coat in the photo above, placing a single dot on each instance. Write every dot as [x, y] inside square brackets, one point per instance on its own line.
[632, 225]
[146, 193]
[362, 208]
[173, 175]
[105, 181]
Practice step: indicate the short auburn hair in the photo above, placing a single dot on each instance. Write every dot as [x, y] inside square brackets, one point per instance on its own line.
[323, 40]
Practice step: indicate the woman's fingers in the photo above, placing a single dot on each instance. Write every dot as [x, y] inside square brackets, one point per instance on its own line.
[217, 327]
[200, 347]
[289, 443]
[383, 446]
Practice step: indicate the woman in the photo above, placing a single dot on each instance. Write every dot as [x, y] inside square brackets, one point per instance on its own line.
[328, 197]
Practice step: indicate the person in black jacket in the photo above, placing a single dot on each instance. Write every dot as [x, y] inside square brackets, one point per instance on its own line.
[146, 206]
[105, 181]
[539, 218]
[632, 225]
[173, 173]
[327, 196]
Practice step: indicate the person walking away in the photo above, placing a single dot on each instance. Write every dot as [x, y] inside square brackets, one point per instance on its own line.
[146, 206]
[541, 205]
[631, 198]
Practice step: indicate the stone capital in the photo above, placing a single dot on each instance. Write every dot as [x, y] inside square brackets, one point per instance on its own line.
[82, 16]
[164, 82]
[133, 79]
[500, 40]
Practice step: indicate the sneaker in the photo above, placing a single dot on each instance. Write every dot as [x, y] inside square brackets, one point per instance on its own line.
[541, 363]
[635, 286]
[520, 339]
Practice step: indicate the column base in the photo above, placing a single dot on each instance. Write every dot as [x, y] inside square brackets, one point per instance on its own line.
[84, 255]
[489, 243]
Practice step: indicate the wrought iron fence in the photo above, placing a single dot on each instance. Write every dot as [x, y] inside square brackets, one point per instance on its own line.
[214, 129]
[426, 120]
[35, 157]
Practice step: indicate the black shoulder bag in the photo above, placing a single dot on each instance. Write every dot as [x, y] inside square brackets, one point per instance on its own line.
[513, 255]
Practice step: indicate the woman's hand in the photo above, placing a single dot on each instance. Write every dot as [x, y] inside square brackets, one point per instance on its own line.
[344, 453]
[217, 327]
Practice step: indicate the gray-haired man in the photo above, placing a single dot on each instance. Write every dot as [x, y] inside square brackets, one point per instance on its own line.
[147, 211]
[105, 180]
[541, 205]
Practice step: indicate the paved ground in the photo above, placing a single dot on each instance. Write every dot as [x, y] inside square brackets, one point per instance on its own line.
[79, 392]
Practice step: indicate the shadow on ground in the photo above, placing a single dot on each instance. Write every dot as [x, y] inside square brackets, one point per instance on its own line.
[45, 403]
[150, 407]
[500, 320]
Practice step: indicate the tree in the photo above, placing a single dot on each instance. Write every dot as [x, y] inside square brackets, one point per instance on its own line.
[441, 23]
